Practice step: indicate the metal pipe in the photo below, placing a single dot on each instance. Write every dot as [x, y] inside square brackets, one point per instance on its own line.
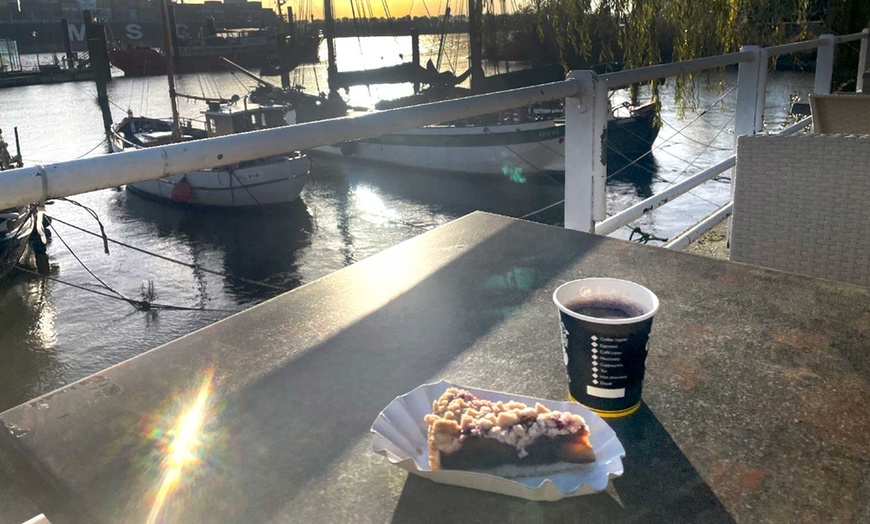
[625, 78]
[33, 184]
[694, 232]
[849, 38]
[761, 97]
[797, 126]
[796, 47]
[643, 207]
[862, 60]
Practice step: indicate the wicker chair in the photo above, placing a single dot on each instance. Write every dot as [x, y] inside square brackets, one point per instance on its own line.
[802, 204]
[846, 113]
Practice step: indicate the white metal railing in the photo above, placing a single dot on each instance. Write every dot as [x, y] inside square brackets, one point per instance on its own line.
[690, 235]
[645, 206]
[713, 219]
[585, 176]
[38, 183]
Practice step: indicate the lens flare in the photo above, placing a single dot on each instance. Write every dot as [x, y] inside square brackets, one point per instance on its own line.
[513, 173]
[181, 446]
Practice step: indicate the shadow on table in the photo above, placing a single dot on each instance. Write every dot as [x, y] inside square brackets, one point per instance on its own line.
[659, 485]
[292, 409]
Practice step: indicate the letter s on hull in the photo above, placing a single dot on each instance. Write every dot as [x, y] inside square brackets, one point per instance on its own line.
[134, 32]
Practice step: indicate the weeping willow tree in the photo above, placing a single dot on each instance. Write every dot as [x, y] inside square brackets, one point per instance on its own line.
[637, 33]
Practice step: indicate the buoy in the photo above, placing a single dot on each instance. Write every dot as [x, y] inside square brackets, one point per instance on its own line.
[182, 191]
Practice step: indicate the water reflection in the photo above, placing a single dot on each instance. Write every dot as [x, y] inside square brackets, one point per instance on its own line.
[423, 199]
[635, 176]
[28, 336]
[371, 206]
[261, 245]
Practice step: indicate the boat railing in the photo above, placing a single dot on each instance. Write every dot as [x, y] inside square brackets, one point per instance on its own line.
[586, 113]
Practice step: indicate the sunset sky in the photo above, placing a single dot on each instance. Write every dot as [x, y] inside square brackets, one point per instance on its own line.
[398, 8]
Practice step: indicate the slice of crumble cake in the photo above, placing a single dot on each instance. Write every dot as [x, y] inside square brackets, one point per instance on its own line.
[504, 438]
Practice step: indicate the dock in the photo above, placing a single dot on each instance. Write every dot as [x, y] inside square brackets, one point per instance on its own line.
[45, 76]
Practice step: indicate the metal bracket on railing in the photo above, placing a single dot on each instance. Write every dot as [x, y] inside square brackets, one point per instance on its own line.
[43, 175]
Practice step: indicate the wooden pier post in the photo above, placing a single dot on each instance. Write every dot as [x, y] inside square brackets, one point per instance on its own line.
[415, 54]
[283, 62]
[67, 46]
[329, 36]
[98, 54]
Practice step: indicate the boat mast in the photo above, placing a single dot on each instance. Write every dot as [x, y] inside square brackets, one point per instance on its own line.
[170, 67]
[443, 35]
[475, 37]
[329, 30]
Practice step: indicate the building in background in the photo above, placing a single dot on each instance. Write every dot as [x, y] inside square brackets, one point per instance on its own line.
[36, 25]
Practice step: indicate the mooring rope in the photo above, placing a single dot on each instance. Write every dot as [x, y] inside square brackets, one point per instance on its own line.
[168, 259]
[141, 305]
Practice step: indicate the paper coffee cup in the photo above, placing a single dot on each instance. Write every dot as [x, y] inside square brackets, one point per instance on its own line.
[605, 325]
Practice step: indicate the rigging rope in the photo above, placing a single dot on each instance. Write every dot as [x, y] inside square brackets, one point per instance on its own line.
[94, 215]
[140, 305]
[81, 263]
[168, 259]
[103, 141]
[664, 142]
[674, 181]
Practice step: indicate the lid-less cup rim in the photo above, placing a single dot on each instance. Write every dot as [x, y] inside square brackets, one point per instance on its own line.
[610, 321]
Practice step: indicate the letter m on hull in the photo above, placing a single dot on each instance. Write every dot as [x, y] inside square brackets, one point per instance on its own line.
[77, 32]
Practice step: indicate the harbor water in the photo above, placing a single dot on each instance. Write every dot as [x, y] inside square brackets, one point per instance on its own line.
[52, 334]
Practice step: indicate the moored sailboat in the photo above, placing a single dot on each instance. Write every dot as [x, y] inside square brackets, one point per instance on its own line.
[17, 226]
[516, 143]
[272, 180]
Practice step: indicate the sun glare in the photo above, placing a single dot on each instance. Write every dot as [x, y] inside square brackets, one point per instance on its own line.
[372, 207]
[182, 446]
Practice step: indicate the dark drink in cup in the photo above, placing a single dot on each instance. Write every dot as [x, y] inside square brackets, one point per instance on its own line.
[605, 326]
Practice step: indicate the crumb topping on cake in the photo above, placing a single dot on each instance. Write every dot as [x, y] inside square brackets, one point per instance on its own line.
[458, 415]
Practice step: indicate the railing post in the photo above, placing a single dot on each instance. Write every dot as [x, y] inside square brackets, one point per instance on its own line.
[585, 176]
[751, 85]
[824, 65]
[599, 151]
[761, 89]
[749, 79]
[862, 61]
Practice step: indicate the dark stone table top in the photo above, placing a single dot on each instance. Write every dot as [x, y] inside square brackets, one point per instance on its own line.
[755, 410]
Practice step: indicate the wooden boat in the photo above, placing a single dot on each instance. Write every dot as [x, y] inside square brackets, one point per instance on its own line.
[265, 181]
[508, 147]
[250, 47]
[523, 142]
[16, 225]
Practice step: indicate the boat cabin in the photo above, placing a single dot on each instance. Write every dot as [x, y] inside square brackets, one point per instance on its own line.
[223, 120]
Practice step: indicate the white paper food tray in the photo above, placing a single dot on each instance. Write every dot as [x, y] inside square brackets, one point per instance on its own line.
[401, 436]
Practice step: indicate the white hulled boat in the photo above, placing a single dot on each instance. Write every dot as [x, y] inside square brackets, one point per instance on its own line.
[272, 180]
[265, 181]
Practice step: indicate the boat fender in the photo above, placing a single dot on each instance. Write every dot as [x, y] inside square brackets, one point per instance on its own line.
[182, 191]
[348, 148]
